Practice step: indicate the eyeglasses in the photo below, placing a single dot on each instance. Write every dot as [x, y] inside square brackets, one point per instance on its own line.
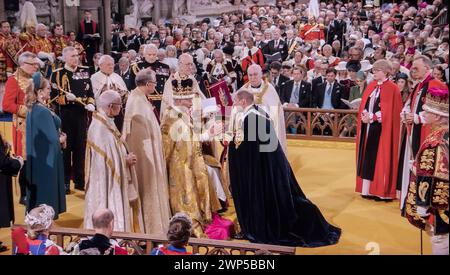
[32, 64]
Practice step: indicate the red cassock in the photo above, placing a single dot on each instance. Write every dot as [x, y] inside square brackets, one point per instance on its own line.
[257, 57]
[383, 184]
[432, 83]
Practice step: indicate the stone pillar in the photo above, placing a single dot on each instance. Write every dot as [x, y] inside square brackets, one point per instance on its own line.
[70, 17]
[2, 11]
[156, 11]
[123, 9]
[107, 25]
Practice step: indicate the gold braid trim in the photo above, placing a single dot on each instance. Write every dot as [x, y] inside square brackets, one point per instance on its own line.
[109, 162]
[443, 216]
[259, 96]
[411, 207]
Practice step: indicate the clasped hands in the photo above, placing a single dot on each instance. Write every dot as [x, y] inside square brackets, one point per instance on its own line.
[131, 159]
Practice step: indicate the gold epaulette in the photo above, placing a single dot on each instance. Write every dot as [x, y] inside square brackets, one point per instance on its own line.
[24, 36]
[156, 97]
[135, 67]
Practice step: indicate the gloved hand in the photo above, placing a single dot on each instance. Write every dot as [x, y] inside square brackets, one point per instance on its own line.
[90, 108]
[20, 159]
[71, 97]
[20, 240]
[422, 211]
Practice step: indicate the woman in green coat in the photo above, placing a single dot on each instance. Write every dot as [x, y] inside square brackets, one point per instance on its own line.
[45, 169]
[358, 90]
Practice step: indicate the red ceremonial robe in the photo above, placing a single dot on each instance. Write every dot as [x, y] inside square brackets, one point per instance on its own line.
[257, 57]
[385, 176]
[13, 102]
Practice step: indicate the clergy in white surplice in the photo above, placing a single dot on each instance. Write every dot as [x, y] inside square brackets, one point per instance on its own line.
[111, 178]
[267, 98]
[142, 133]
[106, 78]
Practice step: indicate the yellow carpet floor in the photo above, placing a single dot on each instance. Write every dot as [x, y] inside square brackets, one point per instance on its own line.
[326, 173]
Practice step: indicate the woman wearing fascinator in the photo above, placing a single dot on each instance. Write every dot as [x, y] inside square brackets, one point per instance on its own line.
[34, 240]
[44, 149]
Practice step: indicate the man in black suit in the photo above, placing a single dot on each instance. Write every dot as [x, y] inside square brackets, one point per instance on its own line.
[259, 42]
[277, 45]
[377, 26]
[336, 29]
[319, 79]
[276, 78]
[296, 92]
[124, 71]
[328, 94]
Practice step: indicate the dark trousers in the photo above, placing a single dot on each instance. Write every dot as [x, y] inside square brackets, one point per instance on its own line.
[74, 124]
[23, 180]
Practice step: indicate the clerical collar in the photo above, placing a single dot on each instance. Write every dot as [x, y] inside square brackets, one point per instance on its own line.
[256, 87]
[106, 117]
[67, 67]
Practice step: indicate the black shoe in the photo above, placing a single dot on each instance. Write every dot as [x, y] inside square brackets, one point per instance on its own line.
[239, 236]
[381, 199]
[67, 189]
[23, 200]
[3, 248]
[368, 197]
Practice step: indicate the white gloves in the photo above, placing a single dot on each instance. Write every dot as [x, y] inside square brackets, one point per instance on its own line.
[71, 97]
[90, 107]
[422, 211]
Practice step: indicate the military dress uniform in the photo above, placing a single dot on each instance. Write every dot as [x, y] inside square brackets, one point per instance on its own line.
[311, 32]
[74, 118]
[162, 74]
[59, 43]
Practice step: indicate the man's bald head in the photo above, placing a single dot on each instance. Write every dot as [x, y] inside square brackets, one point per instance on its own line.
[107, 98]
[254, 74]
[102, 218]
[255, 68]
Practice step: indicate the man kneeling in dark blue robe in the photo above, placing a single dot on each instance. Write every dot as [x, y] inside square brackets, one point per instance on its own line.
[270, 206]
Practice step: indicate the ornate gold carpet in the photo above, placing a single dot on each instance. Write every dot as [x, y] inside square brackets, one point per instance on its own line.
[326, 173]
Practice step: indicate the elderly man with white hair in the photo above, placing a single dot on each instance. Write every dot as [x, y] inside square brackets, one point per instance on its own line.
[277, 45]
[220, 68]
[111, 179]
[14, 103]
[267, 98]
[107, 79]
[44, 49]
[183, 76]
[162, 72]
[292, 43]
